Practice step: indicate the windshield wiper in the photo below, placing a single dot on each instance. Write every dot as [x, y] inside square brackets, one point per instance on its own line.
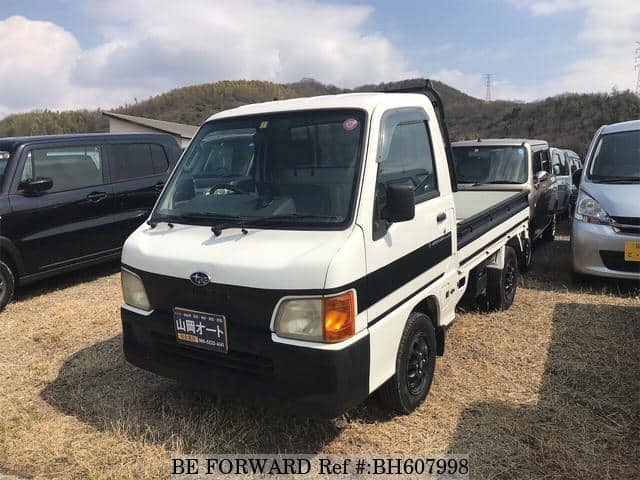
[203, 217]
[496, 182]
[259, 221]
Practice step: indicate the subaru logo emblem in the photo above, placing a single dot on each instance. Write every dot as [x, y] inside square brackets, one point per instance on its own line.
[199, 279]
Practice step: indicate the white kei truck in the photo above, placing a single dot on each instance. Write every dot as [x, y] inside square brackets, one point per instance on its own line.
[313, 251]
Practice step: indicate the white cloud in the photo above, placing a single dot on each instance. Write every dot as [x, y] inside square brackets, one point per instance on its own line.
[150, 46]
[609, 33]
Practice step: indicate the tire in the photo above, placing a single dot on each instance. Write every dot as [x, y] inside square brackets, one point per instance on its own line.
[549, 233]
[502, 284]
[525, 259]
[7, 284]
[415, 364]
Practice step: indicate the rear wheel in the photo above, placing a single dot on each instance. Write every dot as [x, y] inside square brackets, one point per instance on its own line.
[550, 232]
[415, 364]
[502, 284]
[7, 284]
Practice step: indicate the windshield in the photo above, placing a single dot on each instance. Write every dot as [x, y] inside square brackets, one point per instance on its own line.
[616, 157]
[283, 168]
[502, 164]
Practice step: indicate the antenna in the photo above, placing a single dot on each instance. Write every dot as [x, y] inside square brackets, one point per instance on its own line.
[488, 79]
[637, 67]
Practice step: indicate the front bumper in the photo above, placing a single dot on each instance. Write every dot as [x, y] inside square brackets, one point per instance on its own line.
[592, 245]
[311, 381]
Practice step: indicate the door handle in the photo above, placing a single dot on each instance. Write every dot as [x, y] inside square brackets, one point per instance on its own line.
[441, 217]
[96, 197]
[159, 186]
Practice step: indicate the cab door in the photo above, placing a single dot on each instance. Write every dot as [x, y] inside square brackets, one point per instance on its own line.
[407, 255]
[68, 223]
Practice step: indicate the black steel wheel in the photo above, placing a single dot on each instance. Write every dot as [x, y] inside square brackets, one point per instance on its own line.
[502, 284]
[525, 259]
[415, 364]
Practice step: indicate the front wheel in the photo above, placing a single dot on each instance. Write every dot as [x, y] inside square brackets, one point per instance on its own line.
[502, 284]
[7, 284]
[415, 364]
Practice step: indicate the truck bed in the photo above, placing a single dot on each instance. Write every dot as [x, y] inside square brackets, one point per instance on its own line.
[479, 211]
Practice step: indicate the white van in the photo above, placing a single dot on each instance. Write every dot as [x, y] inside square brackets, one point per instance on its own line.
[329, 273]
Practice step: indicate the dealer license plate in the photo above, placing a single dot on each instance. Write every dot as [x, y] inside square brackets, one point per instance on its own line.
[202, 330]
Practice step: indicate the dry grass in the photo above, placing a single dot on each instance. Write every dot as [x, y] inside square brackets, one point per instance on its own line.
[549, 388]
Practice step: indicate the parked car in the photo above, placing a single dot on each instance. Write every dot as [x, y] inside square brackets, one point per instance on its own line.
[512, 164]
[334, 271]
[561, 169]
[69, 201]
[575, 163]
[605, 238]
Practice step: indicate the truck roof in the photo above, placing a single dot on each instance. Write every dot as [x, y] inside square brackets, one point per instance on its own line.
[621, 127]
[365, 101]
[496, 142]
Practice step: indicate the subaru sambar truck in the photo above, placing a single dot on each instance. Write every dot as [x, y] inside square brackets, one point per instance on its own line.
[328, 271]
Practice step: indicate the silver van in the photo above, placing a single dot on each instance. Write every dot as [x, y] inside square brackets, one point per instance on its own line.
[605, 239]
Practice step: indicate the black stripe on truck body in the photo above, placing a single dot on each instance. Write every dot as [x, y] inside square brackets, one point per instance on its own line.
[252, 307]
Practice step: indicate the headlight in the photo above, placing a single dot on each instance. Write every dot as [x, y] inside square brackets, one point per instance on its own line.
[589, 210]
[329, 319]
[133, 291]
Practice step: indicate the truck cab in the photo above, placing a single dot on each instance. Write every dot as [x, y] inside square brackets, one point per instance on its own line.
[333, 271]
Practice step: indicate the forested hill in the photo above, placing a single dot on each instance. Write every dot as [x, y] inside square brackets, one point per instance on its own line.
[567, 120]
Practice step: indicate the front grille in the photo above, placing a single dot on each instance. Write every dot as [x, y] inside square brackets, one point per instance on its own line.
[254, 365]
[629, 225]
[615, 261]
[627, 220]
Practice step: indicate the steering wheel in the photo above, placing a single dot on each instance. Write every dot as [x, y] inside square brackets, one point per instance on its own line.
[225, 186]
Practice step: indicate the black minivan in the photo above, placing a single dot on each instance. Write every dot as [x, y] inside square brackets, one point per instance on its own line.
[70, 201]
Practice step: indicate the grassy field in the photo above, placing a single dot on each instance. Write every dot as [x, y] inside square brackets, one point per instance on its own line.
[547, 389]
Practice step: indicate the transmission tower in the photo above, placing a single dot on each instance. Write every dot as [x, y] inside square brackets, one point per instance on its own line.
[637, 67]
[488, 79]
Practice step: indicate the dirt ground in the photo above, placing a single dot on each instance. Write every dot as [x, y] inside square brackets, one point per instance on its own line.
[547, 389]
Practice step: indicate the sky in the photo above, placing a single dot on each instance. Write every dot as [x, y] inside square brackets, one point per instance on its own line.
[63, 54]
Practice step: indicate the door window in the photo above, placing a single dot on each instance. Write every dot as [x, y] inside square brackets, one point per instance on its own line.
[68, 167]
[136, 160]
[159, 158]
[405, 156]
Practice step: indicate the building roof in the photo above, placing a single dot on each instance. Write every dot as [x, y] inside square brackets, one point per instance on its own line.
[496, 142]
[181, 129]
[363, 101]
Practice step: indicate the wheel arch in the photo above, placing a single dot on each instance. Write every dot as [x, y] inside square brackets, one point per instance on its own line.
[430, 306]
[10, 254]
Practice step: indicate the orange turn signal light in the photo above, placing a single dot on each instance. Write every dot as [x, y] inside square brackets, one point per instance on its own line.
[339, 313]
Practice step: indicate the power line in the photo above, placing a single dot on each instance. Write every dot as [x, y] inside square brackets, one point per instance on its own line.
[488, 79]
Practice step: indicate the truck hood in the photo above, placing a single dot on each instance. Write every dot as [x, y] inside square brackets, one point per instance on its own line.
[281, 259]
[618, 200]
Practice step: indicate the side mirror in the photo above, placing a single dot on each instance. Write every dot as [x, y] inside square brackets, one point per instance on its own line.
[539, 177]
[401, 203]
[576, 177]
[36, 185]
